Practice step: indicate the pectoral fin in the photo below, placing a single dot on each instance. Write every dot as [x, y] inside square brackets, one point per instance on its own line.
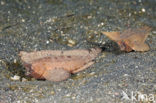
[115, 36]
[56, 74]
[141, 47]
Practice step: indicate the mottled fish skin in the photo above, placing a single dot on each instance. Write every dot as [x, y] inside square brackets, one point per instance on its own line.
[28, 57]
[72, 61]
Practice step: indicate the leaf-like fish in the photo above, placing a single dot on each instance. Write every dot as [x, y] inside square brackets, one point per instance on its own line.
[56, 65]
[131, 39]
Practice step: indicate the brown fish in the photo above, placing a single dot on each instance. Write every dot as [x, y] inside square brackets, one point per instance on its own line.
[56, 65]
[131, 39]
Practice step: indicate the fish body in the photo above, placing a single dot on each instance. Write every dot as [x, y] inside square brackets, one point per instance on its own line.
[131, 39]
[56, 65]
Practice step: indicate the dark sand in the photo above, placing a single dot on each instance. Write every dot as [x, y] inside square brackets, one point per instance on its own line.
[72, 24]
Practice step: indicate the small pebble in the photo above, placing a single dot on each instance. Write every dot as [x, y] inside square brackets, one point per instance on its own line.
[15, 78]
[2, 2]
[154, 32]
[47, 42]
[89, 17]
[92, 73]
[15, 61]
[143, 10]
[102, 23]
[71, 42]
[73, 97]
[52, 92]
[125, 75]
[24, 80]
[68, 95]
[23, 20]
